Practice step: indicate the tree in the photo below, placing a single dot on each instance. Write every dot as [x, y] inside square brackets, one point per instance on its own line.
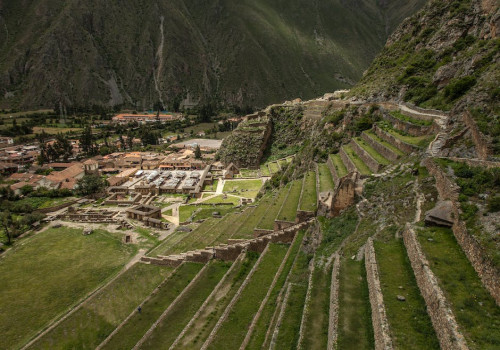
[86, 142]
[9, 226]
[197, 152]
[90, 184]
[63, 147]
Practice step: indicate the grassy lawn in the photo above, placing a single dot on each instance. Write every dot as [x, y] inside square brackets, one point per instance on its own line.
[410, 325]
[325, 178]
[360, 165]
[355, 323]
[200, 329]
[474, 308]
[338, 165]
[167, 331]
[50, 272]
[385, 143]
[309, 195]
[377, 156]
[412, 120]
[219, 199]
[264, 322]
[99, 316]
[192, 240]
[249, 173]
[273, 167]
[137, 325]
[247, 227]
[288, 334]
[203, 211]
[264, 170]
[289, 210]
[233, 330]
[212, 187]
[267, 221]
[243, 188]
[42, 202]
[232, 222]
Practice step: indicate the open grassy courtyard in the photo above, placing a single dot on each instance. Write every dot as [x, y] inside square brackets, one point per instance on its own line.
[49, 273]
[243, 188]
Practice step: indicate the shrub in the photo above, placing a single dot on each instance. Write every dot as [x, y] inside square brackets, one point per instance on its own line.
[458, 87]
[494, 204]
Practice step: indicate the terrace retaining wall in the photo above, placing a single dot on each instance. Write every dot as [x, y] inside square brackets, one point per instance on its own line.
[486, 269]
[347, 161]
[332, 170]
[403, 146]
[442, 317]
[366, 157]
[482, 148]
[380, 148]
[56, 207]
[410, 128]
[379, 317]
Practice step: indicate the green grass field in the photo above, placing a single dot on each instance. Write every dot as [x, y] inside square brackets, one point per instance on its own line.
[50, 272]
[309, 195]
[219, 199]
[264, 170]
[247, 227]
[476, 312]
[174, 322]
[264, 322]
[360, 165]
[138, 324]
[99, 316]
[249, 173]
[267, 221]
[410, 325]
[202, 211]
[228, 228]
[233, 330]
[355, 323]
[317, 320]
[191, 240]
[243, 188]
[289, 210]
[273, 167]
[325, 178]
[377, 156]
[212, 187]
[200, 329]
[338, 164]
[288, 334]
[383, 142]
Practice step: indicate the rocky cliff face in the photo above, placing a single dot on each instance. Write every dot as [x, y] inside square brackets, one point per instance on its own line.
[137, 53]
[444, 57]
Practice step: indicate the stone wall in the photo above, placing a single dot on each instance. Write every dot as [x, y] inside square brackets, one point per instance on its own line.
[281, 224]
[258, 232]
[379, 317]
[482, 148]
[442, 318]
[365, 157]
[345, 194]
[333, 171]
[476, 162]
[410, 128]
[380, 148]
[478, 257]
[303, 216]
[333, 319]
[403, 146]
[56, 207]
[347, 161]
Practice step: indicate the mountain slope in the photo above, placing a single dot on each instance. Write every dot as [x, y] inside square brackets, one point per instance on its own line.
[137, 53]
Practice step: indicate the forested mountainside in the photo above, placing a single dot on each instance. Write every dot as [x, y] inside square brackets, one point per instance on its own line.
[445, 57]
[138, 53]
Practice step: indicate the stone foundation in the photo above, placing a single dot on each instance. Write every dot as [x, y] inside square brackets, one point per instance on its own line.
[442, 318]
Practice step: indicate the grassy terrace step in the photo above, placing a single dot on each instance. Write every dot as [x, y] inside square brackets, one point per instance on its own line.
[309, 193]
[317, 320]
[360, 165]
[234, 328]
[409, 119]
[273, 167]
[48, 273]
[419, 141]
[410, 325]
[325, 178]
[227, 229]
[264, 170]
[355, 325]
[288, 333]
[177, 318]
[377, 156]
[475, 310]
[247, 227]
[288, 211]
[384, 143]
[339, 165]
[201, 327]
[99, 316]
[267, 221]
[189, 240]
[138, 324]
[264, 323]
